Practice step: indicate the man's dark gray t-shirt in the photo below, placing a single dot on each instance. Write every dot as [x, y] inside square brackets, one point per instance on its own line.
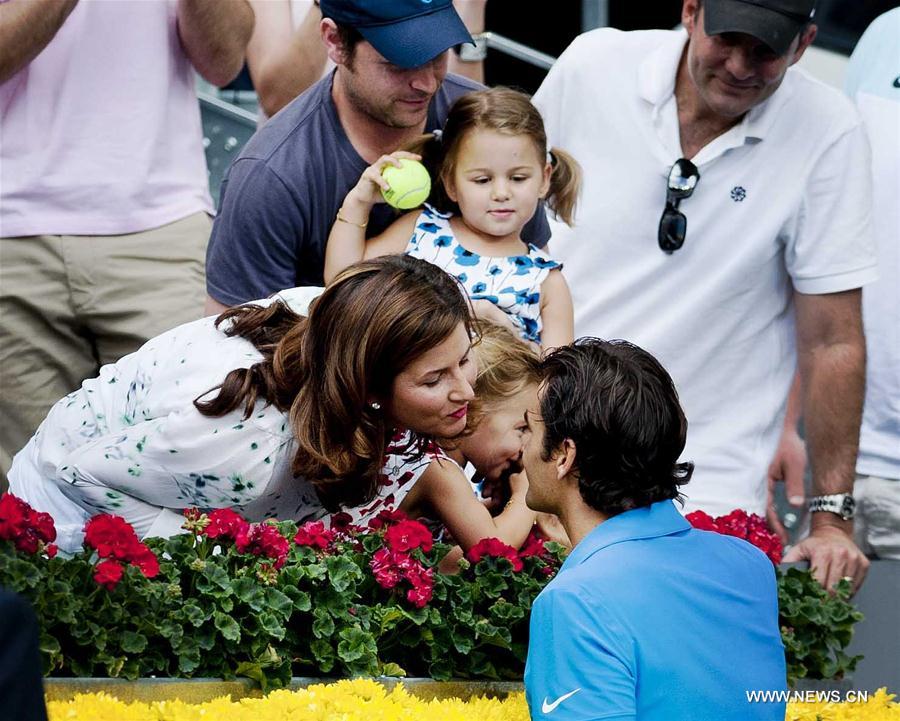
[281, 195]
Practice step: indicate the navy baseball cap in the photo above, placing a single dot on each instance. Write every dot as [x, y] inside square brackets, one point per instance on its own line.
[775, 22]
[408, 33]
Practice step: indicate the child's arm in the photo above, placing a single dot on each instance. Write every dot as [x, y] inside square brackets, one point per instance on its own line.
[443, 492]
[557, 312]
[347, 240]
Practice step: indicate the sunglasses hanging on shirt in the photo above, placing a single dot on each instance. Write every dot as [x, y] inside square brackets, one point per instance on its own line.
[683, 178]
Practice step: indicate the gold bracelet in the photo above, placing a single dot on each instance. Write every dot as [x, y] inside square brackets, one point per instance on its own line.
[350, 222]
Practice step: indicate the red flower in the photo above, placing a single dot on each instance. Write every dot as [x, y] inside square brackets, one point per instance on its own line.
[385, 569]
[114, 539]
[740, 524]
[263, 539]
[386, 518]
[110, 536]
[736, 523]
[145, 560]
[419, 596]
[223, 522]
[494, 548]
[108, 573]
[314, 534]
[42, 523]
[21, 524]
[407, 535]
[702, 521]
[51, 550]
[533, 546]
[14, 513]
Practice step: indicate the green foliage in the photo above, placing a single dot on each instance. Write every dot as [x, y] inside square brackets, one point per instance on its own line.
[816, 626]
[215, 612]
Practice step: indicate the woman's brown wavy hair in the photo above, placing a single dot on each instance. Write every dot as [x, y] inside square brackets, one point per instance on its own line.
[370, 323]
[506, 111]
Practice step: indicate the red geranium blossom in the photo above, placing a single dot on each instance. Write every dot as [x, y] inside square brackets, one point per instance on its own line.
[314, 534]
[108, 573]
[495, 548]
[533, 546]
[385, 569]
[386, 518]
[407, 535]
[740, 524]
[110, 536]
[29, 530]
[223, 522]
[115, 542]
[263, 539]
[702, 521]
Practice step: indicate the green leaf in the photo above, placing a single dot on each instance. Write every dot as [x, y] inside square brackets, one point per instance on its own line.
[392, 669]
[323, 653]
[250, 592]
[342, 572]
[302, 601]
[133, 642]
[279, 603]
[356, 644]
[323, 626]
[227, 625]
[194, 614]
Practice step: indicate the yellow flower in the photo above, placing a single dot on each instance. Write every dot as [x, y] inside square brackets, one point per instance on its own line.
[368, 700]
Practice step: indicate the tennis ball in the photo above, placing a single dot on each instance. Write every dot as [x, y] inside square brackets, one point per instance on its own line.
[410, 184]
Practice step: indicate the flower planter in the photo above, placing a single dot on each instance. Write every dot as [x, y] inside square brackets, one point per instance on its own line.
[199, 690]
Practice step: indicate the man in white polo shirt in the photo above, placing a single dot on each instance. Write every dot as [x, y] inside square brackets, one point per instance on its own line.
[724, 226]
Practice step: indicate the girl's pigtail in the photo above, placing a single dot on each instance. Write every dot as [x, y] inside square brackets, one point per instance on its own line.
[565, 185]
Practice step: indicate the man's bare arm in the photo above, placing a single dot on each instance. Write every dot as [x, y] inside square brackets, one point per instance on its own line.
[27, 27]
[214, 34]
[213, 307]
[832, 363]
[284, 62]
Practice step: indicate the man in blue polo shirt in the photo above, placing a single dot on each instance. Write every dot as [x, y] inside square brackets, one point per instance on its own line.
[648, 619]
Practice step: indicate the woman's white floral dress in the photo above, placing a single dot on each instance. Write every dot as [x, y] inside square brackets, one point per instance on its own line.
[131, 442]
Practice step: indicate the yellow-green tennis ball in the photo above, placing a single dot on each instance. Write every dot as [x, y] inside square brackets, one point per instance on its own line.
[410, 184]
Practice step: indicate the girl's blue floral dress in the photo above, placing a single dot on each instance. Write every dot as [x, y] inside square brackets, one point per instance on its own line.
[512, 283]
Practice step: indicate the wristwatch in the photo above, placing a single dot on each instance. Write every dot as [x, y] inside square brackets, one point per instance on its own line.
[841, 504]
[469, 54]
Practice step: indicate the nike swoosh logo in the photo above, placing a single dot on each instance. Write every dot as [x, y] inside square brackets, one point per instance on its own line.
[897, 82]
[551, 707]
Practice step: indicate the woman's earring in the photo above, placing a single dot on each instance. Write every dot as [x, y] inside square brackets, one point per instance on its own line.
[375, 406]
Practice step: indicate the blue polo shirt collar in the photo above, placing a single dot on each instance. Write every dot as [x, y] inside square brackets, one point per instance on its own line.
[658, 519]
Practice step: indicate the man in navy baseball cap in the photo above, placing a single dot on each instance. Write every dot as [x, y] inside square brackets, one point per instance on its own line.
[408, 33]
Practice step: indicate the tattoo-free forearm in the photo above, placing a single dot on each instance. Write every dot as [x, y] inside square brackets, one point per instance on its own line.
[834, 385]
[214, 34]
[27, 27]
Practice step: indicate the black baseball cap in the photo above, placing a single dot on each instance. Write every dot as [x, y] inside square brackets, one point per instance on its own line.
[775, 22]
[409, 33]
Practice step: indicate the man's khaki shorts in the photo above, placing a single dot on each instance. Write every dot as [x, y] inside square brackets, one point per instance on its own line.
[69, 304]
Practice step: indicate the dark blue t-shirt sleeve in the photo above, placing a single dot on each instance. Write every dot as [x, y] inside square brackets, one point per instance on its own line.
[253, 247]
[537, 230]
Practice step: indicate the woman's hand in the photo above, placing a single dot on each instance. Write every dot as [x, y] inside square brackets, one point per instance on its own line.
[367, 191]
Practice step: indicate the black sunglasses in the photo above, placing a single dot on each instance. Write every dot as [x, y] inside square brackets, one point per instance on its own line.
[683, 178]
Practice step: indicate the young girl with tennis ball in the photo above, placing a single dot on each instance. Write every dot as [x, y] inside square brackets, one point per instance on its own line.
[491, 168]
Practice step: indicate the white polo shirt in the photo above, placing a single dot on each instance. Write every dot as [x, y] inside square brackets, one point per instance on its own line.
[873, 81]
[783, 202]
